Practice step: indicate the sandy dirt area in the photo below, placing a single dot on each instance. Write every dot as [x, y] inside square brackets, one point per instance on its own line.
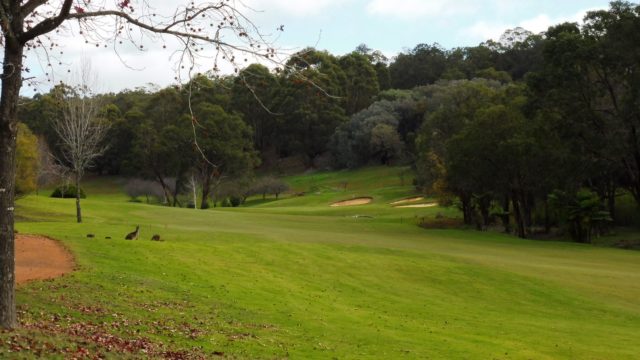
[409, 200]
[417, 206]
[40, 258]
[353, 202]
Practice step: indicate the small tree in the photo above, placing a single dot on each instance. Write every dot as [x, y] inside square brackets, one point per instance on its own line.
[581, 212]
[80, 131]
[268, 185]
[137, 187]
[26, 160]
[49, 170]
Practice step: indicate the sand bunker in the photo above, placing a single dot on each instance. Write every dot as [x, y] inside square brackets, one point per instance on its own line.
[353, 202]
[408, 200]
[39, 258]
[418, 206]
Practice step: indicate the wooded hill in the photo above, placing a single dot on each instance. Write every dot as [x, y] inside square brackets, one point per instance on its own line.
[535, 129]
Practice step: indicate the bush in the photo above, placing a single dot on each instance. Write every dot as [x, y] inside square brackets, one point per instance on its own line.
[67, 192]
[235, 201]
[137, 187]
[268, 185]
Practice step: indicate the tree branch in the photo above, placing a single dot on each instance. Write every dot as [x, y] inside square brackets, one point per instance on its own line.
[48, 24]
[165, 30]
[31, 5]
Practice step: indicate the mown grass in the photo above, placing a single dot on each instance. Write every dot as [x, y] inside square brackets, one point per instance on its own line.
[295, 278]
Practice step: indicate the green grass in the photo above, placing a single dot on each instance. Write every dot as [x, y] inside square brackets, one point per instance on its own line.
[296, 278]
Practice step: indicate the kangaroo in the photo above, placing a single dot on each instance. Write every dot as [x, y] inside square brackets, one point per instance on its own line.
[156, 237]
[133, 235]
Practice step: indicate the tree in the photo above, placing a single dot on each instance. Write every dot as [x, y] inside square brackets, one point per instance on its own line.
[453, 106]
[590, 80]
[361, 83]
[385, 143]
[26, 160]
[30, 26]
[309, 98]
[253, 91]
[423, 65]
[227, 149]
[81, 132]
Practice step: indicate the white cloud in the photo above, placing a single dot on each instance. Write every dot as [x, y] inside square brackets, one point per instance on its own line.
[294, 7]
[414, 9]
[483, 30]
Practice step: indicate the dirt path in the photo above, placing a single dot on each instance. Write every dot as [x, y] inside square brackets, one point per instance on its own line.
[40, 258]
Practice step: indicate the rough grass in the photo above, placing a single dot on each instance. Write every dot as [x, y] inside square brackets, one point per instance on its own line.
[296, 278]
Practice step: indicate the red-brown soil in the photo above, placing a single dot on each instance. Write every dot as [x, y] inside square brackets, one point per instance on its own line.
[39, 258]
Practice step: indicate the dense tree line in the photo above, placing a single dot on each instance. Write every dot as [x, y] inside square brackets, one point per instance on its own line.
[534, 130]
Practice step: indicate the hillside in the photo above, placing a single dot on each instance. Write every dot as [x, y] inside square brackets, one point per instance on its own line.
[301, 279]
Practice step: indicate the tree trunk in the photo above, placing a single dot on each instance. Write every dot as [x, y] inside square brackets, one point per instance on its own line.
[206, 190]
[466, 209]
[506, 222]
[165, 188]
[194, 191]
[547, 217]
[528, 204]
[11, 83]
[611, 200]
[78, 209]
[176, 202]
[518, 216]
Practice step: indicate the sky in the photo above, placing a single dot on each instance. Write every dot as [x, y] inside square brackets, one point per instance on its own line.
[338, 26]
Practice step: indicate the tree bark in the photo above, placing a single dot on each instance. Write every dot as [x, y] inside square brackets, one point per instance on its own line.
[518, 216]
[506, 222]
[466, 209]
[11, 83]
[78, 209]
[206, 190]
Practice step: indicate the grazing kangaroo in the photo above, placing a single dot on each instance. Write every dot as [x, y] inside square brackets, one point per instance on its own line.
[155, 237]
[133, 235]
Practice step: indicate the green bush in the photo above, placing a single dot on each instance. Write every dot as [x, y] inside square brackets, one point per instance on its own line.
[235, 201]
[67, 192]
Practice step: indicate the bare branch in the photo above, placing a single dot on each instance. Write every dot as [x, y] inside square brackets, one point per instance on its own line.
[30, 6]
[48, 24]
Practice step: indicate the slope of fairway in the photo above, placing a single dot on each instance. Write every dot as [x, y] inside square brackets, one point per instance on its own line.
[297, 278]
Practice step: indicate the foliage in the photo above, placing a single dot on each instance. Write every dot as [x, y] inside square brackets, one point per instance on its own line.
[268, 185]
[582, 213]
[138, 187]
[67, 191]
[27, 161]
[356, 144]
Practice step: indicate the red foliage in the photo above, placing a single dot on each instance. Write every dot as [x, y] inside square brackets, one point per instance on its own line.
[78, 9]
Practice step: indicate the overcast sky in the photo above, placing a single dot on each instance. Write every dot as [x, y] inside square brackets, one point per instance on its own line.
[337, 26]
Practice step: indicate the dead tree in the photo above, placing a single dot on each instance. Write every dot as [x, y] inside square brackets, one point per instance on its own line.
[80, 131]
[219, 26]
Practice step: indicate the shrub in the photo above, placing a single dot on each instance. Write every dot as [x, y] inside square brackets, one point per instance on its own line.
[235, 201]
[67, 192]
[137, 187]
[268, 185]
